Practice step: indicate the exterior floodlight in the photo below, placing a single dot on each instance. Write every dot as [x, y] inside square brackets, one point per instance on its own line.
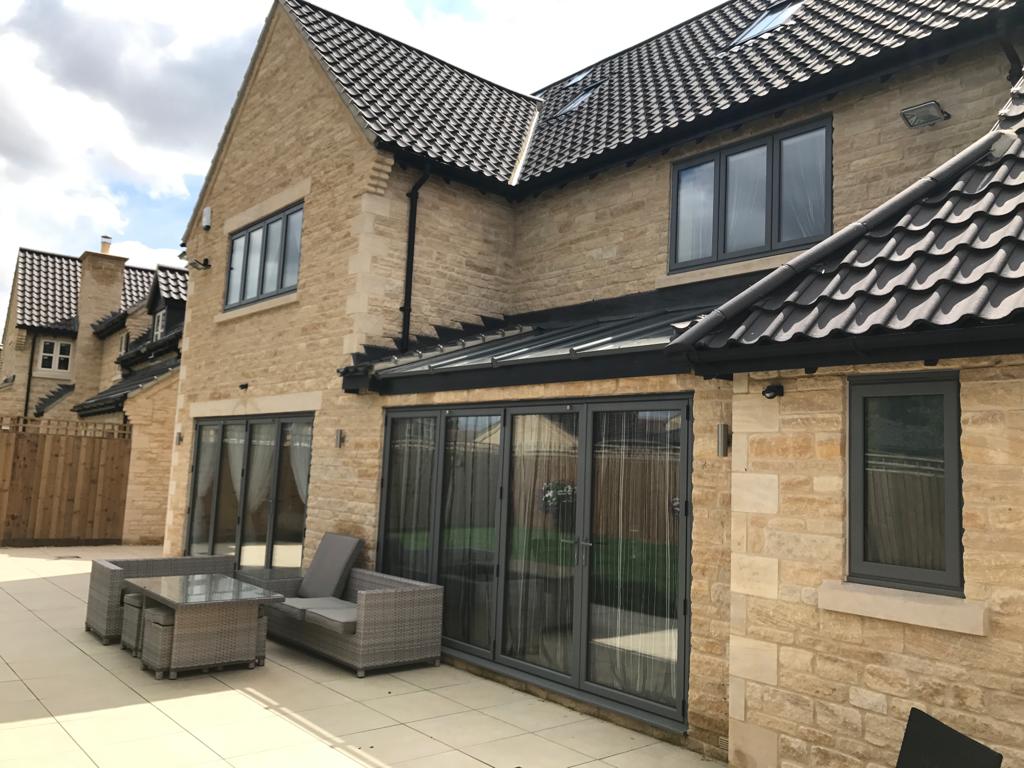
[923, 115]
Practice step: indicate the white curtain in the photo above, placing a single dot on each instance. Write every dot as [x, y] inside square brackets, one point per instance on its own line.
[300, 453]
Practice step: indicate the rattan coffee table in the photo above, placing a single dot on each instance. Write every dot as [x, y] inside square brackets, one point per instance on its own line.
[217, 621]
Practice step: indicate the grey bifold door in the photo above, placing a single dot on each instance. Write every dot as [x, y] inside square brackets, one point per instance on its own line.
[559, 532]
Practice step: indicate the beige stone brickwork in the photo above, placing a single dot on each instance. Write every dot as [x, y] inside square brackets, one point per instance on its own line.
[150, 412]
[813, 687]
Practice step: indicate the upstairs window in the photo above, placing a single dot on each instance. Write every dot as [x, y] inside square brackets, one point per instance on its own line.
[776, 15]
[905, 521]
[264, 259]
[159, 324]
[768, 195]
[55, 356]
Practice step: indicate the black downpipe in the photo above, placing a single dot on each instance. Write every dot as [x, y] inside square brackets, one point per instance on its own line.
[28, 379]
[410, 254]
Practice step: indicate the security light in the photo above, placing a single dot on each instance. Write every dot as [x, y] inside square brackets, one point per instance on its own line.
[772, 391]
[923, 115]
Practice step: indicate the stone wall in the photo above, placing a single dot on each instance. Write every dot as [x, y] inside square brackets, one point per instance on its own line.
[150, 412]
[608, 235]
[812, 687]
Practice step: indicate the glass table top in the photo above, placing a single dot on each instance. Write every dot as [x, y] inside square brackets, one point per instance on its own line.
[200, 589]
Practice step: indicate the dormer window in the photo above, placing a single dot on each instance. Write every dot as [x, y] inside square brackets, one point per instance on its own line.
[55, 356]
[159, 324]
[123, 346]
[776, 15]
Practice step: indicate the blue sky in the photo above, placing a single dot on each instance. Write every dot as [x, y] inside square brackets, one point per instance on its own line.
[110, 110]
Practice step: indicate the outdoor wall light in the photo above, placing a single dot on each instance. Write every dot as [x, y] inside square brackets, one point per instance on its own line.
[923, 115]
[724, 440]
[772, 391]
[202, 266]
[339, 438]
[244, 386]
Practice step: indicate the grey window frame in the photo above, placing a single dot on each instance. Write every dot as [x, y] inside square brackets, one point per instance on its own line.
[263, 224]
[278, 419]
[949, 581]
[773, 242]
[670, 717]
[160, 323]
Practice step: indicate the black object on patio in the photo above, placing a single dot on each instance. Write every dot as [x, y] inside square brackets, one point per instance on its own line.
[929, 743]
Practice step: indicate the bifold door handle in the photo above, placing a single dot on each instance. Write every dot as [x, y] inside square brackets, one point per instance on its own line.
[575, 549]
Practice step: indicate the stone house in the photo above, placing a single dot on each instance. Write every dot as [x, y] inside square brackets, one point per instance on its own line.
[517, 291]
[94, 339]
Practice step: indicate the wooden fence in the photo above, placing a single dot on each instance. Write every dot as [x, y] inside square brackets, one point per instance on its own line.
[62, 482]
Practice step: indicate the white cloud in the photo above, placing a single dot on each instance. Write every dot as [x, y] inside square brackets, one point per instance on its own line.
[107, 102]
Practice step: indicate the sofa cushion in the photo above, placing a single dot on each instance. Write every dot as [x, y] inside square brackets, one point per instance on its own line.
[341, 619]
[296, 607]
[331, 564]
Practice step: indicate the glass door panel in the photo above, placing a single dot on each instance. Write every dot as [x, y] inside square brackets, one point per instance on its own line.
[204, 486]
[292, 493]
[408, 492]
[468, 551]
[259, 482]
[232, 454]
[633, 567]
[541, 546]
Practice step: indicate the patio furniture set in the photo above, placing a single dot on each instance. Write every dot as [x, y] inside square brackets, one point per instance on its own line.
[197, 613]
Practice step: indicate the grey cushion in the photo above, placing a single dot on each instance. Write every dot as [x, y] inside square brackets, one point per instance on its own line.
[341, 619]
[296, 607]
[158, 614]
[331, 564]
[133, 598]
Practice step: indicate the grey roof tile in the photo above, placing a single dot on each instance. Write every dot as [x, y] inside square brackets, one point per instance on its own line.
[690, 76]
[51, 398]
[172, 283]
[112, 398]
[952, 258]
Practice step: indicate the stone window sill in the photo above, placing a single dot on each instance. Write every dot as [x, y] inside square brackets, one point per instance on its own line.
[953, 614]
[259, 306]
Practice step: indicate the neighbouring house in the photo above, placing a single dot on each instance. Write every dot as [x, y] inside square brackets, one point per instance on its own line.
[601, 348]
[96, 340]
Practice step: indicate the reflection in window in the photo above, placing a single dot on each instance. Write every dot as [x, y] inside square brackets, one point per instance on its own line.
[695, 212]
[410, 481]
[803, 215]
[746, 205]
[292, 493]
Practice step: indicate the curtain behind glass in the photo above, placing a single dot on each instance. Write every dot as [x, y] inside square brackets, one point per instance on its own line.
[258, 482]
[231, 457]
[411, 452]
[695, 212]
[292, 491]
[633, 592]
[203, 499]
[746, 204]
[803, 210]
[537, 626]
[467, 561]
[904, 481]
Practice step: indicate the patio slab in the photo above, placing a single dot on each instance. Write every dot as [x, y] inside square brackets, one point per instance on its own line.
[68, 700]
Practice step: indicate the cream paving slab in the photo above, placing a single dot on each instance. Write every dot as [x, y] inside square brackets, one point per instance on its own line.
[6, 673]
[87, 703]
[466, 728]
[182, 688]
[179, 749]
[386, 746]
[210, 708]
[415, 706]
[319, 756]
[526, 751]
[480, 694]
[341, 719]
[535, 714]
[63, 760]
[123, 724]
[296, 696]
[432, 677]
[444, 760]
[19, 714]
[662, 755]
[74, 680]
[371, 687]
[258, 734]
[15, 690]
[596, 738]
[36, 741]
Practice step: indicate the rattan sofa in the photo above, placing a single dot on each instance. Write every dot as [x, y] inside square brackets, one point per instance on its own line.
[104, 612]
[380, 621]
[358, 618]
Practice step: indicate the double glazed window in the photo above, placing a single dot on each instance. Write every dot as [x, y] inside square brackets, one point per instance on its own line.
[264, 258]
[159, 324]
[250, 479]
[558, 533]
[767, 195]
[55, 355]
[905, 521]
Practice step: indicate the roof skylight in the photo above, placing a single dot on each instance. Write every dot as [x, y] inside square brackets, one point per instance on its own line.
[775, 16]
[578, 76]
[578, 102]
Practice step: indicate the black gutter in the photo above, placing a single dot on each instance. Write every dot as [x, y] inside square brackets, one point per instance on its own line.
[28, 382]
[410, 254]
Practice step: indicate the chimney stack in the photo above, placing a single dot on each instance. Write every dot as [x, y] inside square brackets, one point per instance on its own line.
[104, 243]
